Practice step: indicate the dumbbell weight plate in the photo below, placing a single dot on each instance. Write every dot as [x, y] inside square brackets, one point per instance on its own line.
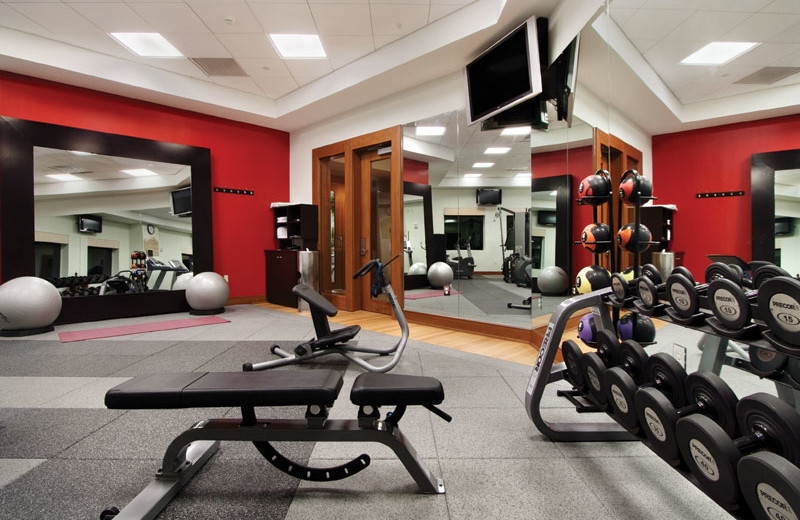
[647, 291]
[633, 357]
[766, 362]
[767, 412]
[779, 305]
[771, 486]
[765, 272]
[682, 295]
[594, 369]
[666, 368]
[608, 347]
[572, 359]
[729, 304]
[620, 389]
[619, 286]
[718, 270]
[684, 272]
[652, 273]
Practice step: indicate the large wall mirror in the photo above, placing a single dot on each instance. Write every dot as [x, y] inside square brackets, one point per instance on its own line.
[77, 204]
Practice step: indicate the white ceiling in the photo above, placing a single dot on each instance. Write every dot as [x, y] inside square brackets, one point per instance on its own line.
[378, 47]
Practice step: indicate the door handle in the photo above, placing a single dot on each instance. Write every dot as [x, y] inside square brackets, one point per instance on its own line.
[363, 246]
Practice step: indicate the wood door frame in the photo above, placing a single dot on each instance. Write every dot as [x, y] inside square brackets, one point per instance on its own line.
[351, 299]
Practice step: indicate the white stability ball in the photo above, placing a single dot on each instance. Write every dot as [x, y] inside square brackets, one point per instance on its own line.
[553, 280]
[440, 274]
[182, 281]
[207, 291]
[418, 268]
[28, 302]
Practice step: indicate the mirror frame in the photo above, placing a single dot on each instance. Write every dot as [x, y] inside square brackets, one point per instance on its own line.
[762, 196]
[562, 184]
[18, 137]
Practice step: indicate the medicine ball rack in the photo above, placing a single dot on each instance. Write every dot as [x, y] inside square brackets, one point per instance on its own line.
[714, 356]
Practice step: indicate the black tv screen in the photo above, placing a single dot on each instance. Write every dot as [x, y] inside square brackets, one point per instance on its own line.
[90, 224]
[182, 202]
[560, 79]
[505, 74]
[784, 226]
[488, 197]
[546, 218]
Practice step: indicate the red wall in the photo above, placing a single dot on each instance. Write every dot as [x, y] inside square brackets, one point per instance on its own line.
[242, 156]
[711, 160]
[551, 164]
[415, 171]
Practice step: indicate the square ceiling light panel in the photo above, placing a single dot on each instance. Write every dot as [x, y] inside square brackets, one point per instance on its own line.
[298, 46]
[148, 45]
[718, 53]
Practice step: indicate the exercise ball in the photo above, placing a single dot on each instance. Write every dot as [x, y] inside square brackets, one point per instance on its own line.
[418, 268]
[28, 303]
[592, 278]
[182, 281]
[636, 327]
[552, 280]
[625, 237]
[596, 237]
[440, 274]
[595, 188]
[586, 329]
[207, 292]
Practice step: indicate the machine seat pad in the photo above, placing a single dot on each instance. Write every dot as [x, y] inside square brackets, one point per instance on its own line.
[315, 300]
[342, 335]
[212, 389]
[376, 389]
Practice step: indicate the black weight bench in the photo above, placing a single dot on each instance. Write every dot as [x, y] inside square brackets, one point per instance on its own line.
[315, 389]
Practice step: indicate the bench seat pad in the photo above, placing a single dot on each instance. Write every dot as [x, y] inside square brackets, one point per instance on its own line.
[395, 389]
[213, 389]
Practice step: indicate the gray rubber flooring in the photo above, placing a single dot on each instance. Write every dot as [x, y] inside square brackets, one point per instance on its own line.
[64, 455]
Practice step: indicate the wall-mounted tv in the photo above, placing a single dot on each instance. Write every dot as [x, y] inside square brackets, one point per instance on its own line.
[546, 218]
[488, 196]
[784, 226]
[505, 74]
[560, 79]
[182, 202]
[90, 224]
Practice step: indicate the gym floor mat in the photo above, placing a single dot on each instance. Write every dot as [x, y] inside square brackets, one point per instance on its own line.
[109, 332]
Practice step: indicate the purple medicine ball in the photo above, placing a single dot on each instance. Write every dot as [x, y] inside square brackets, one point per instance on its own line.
[586, 329]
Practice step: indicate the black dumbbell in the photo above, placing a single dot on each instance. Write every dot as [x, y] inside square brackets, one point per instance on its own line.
[662, 372]
[766, 362]
[621, 288]
[572, 353]
[779, 307]
[766, 422]
[706, 393]
[595, 364]
[686, 297]
[770, 485]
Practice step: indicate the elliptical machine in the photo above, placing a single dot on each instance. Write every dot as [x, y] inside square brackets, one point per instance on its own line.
[337, 342]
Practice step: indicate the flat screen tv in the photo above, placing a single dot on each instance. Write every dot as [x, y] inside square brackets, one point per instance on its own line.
[488, 197]
[784, 226]
[90, 224]
[182, 202]
[560, 79]
[546, 218]
[505, 74]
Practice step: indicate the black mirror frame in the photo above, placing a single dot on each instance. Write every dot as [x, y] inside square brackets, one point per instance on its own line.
[762, 198]
[415, 281]
[562, 184]
[18, 137]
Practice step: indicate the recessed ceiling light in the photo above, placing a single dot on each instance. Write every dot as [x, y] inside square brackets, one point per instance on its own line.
[140, 172]
[718, 53]
[78, 152]
[516, 130]
[149, 45]
[472, 175]
[523, 174]
[497, 150]
[298, 46]
[64, 177]
[483, 165]
[430, 130]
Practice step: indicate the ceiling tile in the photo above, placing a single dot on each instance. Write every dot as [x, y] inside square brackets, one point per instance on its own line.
[198, 45]
[180, 66]
[643, 45]
[342, 50]
[441, 10]
[694, 92]
[620, 16]
[248, 45]
[256, 2]
[170, 17]
[653, 24]
[213, 13]
[394, 19]
[416, 2]
[112, 17]
[276, 87]
[769, 54]
[339, 2]
[670, 54]
[382, 41]
[783, 6]
[682, 5]
[789, 35]
[306, 71]
[285, 18]
[15, 20]
[762, 27]
[242, 84]
[706, 26]
[260, 68]
[57, 18]
[342, 19]
[627, 4]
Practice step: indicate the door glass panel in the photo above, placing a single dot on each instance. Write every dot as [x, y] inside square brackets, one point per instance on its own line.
[332, 216]
[381, 212]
